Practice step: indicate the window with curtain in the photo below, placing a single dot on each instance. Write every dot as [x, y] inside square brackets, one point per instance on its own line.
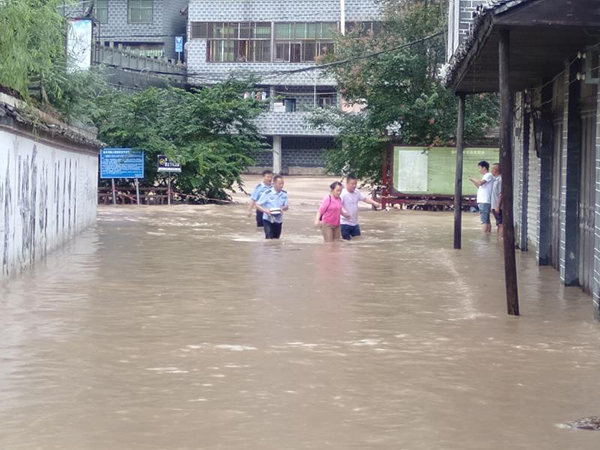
[235, 41]
[140, 11]
[303, 41]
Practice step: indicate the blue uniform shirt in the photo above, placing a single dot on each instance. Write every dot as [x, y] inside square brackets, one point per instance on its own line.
[259, 190]
[272, 199]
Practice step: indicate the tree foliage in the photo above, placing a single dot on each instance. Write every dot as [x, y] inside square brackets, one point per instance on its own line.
[32, 40]
[400, 90]
[210, 131]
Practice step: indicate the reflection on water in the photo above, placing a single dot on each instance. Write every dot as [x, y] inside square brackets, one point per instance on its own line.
[182, 329]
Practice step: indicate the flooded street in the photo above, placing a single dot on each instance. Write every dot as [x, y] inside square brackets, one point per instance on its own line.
[182, 328]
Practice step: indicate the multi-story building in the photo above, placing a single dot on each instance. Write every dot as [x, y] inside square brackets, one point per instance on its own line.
[270, 39]
[144, 27]
[460, 19]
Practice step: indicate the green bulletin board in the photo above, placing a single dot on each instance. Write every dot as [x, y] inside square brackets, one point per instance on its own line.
[423, 170]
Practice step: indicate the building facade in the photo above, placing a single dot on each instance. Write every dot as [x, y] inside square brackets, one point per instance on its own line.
[460, 18]
[143, 27]
[278, 42]
[553, 79]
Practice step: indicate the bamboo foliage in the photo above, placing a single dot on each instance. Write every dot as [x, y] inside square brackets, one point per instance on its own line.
[32, 40]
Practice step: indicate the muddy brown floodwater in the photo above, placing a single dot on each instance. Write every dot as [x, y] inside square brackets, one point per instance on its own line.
[181, 328]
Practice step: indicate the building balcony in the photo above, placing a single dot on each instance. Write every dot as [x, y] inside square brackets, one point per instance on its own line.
[290, 124]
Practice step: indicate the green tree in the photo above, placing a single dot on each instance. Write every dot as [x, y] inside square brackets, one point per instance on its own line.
[32, 40]
[210, 131]
[400, 90]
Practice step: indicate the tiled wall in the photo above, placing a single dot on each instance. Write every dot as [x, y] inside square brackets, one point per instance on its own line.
[267, 11]
[167, 23]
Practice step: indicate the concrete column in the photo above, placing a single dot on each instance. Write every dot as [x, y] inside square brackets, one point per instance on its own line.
[571, 158]
[277, 154]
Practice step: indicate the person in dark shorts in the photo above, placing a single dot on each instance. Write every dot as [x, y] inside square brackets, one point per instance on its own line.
[484, 195]
[351, 196]
[259, 190]
[273, 203]
[497, 198]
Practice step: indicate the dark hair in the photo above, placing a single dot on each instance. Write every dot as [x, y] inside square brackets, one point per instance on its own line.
[351, 176]
[484, 164]
[335, 184]
[277, 177]
[267, 172]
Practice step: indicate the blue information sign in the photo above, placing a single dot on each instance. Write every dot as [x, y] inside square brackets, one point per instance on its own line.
[121, 163]
[178, 44]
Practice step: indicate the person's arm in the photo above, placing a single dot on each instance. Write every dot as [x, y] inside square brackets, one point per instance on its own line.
[345, 213]
[286, 205]
[251, 207]
[477, 183]
[318, 218]
[263, 210]
[253, 199]
[500, 202]
[261, 203]
[321, 211]
[372, 202]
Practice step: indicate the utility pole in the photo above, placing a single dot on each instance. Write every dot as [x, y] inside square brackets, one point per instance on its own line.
[343, 17]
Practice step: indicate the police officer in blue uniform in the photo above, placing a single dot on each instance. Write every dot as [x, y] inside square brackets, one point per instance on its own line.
[259, 190]
[273, 203]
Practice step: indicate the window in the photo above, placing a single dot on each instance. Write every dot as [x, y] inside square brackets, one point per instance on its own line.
[303, 41]
[363, 28]
[140, 11]
[102, 11]
[290, 104]
[235, 41]
[326, 101]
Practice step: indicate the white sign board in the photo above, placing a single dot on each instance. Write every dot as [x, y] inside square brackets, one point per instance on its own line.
[412, 171]
[79, 45]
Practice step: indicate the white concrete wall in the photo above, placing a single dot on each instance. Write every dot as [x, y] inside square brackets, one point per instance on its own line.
[48, 194]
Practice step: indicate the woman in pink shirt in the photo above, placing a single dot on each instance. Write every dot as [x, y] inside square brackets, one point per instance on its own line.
[328, 216]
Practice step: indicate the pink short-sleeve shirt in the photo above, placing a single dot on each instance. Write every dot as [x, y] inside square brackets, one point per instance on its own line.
[330, 210]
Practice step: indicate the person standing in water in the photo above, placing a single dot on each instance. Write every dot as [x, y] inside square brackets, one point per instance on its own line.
[484, 195]
[259, 190]
[351, 196]
[497, 198]
[329, 213]
[272, 205]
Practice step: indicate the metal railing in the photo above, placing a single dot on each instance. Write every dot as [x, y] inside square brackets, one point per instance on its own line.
[116, 57]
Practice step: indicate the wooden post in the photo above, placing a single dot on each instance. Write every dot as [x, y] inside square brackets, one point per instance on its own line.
[137, 190]
[169, 190]
[506, 155]
[525, 177]
[460, 146]
[114, 191]
[384, 175]
[546, 174]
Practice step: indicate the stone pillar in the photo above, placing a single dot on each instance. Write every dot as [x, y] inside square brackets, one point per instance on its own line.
[277, 154]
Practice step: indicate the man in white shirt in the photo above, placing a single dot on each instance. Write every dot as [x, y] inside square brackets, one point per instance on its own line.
[350, 199]
[484, 195]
